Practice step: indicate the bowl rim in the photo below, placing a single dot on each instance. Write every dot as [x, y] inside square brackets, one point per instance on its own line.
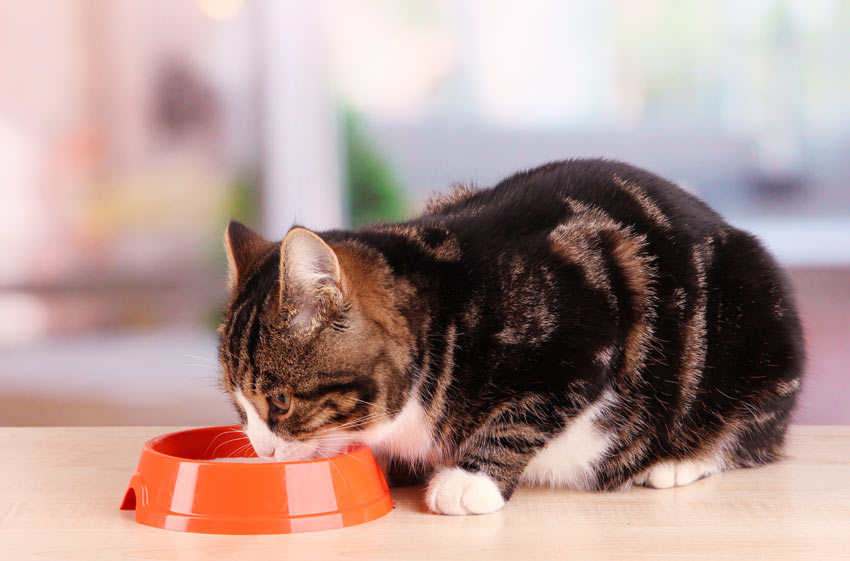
[149, 449]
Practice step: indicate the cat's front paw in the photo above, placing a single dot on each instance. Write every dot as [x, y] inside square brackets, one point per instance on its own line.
[664, 475]
[457, 491]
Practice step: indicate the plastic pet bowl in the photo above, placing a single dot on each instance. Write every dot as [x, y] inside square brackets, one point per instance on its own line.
[178, 486]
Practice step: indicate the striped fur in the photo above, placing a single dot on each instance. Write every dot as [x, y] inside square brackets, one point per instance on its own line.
[585, 323]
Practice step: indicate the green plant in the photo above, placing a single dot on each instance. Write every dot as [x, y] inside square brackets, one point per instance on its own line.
[375, 193]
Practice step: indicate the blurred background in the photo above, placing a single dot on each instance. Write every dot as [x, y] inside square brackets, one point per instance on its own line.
[131, 131]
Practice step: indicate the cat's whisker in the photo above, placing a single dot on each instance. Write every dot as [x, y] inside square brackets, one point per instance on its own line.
[238, 438]
[346, 441]
[366, 402]
[369, 417]
[355, 422]
[219, 436]
[212, 382]
[344, 453]
[204, 359]
[349, 427]
[229, 441]
[239, 450]
[339, 471]
[228, 353]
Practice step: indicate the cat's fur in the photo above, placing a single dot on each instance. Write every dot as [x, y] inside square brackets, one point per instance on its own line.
[585, 323]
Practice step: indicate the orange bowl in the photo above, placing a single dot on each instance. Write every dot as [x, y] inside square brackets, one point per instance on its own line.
[179, 486]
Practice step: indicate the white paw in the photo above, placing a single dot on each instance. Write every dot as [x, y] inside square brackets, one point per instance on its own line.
[664, 475]
[456, 491]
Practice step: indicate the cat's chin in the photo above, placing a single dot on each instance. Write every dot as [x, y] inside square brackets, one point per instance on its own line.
[293, 452]
[297, 451]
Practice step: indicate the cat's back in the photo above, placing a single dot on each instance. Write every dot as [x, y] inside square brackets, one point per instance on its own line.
[536, 201]
[636, 286]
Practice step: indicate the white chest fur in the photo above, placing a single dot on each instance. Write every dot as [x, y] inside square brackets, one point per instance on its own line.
[407, 436]
[568, 460]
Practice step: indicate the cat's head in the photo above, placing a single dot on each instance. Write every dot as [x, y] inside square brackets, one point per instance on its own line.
[313, 348]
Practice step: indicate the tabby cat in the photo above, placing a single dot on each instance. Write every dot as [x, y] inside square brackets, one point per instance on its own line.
[584, 324]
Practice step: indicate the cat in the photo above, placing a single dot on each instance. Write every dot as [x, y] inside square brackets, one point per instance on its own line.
[584, 324]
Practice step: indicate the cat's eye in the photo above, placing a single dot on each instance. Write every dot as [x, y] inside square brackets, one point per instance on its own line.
[280, 403]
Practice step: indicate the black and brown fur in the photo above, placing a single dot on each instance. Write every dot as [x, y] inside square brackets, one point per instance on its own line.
[506, 311]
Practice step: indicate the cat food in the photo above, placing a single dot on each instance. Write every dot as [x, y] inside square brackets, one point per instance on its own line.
[242, 460]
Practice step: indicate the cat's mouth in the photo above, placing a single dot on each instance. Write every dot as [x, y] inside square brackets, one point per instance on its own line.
[283, 450]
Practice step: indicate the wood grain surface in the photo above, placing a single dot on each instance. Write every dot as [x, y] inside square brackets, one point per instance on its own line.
[60, 489]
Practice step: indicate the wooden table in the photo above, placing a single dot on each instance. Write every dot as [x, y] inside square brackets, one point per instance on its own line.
[60, 489]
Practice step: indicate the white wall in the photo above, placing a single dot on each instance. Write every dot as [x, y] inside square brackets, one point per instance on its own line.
[300, 133]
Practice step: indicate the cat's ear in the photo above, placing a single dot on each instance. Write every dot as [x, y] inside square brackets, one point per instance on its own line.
[243, 247]
[310, 279]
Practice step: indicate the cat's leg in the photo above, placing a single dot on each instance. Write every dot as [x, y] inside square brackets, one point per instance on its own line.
[488, 472]
[664, 475]
[399, 473]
